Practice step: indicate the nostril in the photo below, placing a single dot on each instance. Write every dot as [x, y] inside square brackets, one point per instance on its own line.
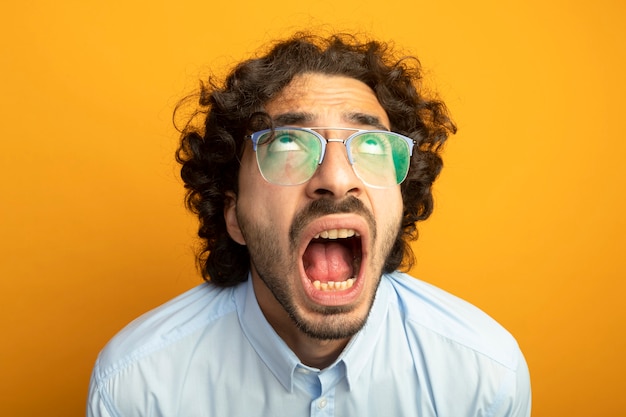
[323, 192]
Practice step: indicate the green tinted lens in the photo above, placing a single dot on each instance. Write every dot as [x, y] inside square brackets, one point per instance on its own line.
[288, 156]
[380, 159]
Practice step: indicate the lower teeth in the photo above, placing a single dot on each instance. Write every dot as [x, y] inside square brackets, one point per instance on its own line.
[334, 286]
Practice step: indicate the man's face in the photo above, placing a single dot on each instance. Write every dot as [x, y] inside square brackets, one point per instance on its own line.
[317, 249]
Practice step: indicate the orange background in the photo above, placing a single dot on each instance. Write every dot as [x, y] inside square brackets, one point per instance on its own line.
[529, 223]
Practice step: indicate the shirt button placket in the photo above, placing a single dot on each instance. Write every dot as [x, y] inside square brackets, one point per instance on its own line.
[322, 403]
[322, 407]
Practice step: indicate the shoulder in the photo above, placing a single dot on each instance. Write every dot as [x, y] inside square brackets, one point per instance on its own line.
[460, 350]
[427, 309]
[176, 320]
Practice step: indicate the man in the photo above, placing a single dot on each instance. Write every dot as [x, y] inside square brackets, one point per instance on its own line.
[308, 173]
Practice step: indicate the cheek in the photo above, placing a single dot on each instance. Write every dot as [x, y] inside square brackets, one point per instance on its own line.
[252, 186]
[269, 207]
[248, 169]
[264, 202]
[387, 205]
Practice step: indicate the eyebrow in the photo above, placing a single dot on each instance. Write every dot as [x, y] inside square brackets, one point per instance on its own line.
[293, 118]
[300, 118]
[365, 119]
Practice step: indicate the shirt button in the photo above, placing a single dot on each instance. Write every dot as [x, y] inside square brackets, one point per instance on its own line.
[322, 403]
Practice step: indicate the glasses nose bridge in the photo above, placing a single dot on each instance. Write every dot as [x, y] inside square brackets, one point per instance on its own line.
[327, 140]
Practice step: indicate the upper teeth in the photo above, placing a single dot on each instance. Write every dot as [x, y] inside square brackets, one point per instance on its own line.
[337, 234]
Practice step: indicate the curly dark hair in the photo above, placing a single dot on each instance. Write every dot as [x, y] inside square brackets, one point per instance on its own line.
[209, 151]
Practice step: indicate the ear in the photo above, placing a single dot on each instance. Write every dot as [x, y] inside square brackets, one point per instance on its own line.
[230, 216]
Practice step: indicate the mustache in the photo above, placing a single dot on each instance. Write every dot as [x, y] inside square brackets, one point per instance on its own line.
[324, 207]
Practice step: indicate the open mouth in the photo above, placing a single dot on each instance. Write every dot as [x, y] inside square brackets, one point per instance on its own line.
[332, 259]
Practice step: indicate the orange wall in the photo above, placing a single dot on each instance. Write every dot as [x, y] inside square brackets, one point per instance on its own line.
[529, 223]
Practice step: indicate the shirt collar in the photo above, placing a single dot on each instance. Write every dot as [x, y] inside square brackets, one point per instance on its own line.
[281, 360]
[272, 350]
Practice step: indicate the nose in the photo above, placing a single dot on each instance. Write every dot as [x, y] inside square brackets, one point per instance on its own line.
[335, 177]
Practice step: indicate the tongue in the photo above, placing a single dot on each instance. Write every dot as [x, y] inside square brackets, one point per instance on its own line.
[327, 262]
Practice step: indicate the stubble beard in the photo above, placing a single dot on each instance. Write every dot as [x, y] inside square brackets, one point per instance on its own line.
[274, 268]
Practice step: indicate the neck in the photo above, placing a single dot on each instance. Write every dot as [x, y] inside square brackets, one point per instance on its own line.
[317, 353]
[313, 352]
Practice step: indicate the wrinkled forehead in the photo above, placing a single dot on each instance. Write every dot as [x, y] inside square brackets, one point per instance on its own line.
[318, 99]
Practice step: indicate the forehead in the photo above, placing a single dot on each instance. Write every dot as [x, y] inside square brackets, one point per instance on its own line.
[314, 99]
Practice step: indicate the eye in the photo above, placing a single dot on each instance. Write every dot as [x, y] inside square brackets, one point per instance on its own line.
[372, 144]
[285, 142]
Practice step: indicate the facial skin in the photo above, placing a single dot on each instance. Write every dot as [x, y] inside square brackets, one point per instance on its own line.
[278, 223]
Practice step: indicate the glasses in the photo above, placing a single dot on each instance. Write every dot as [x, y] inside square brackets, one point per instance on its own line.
[291, 155]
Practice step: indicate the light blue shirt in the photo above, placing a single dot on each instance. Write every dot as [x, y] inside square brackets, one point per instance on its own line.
[210, 352]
